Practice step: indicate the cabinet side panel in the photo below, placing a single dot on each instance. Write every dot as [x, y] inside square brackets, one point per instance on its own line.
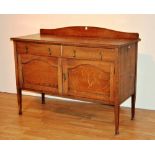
[127, 71]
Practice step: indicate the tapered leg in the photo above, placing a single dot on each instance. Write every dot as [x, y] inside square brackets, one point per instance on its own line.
[116, 113]
[19, 98]
[43, 98]
[133, 101]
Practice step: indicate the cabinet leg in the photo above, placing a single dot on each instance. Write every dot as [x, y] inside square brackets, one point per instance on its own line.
[116, 113]
[43, 98]
[19, 98]
[133, 101]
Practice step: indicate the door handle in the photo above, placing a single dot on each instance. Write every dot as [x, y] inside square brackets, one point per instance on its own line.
[64, 76]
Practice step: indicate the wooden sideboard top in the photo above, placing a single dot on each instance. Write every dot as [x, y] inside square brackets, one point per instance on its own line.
[91, 36]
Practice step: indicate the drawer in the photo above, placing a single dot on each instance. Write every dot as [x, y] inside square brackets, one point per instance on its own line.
[89, 53]
[38, 49]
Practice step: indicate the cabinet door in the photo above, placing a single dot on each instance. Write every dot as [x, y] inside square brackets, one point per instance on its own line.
[39, 73]
[88, 79]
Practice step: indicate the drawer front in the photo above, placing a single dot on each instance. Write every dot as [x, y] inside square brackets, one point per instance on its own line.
[89, 53]
[38, 49]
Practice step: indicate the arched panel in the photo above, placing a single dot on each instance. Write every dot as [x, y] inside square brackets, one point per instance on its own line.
[88, 80]
[40, 74]
[89, 31]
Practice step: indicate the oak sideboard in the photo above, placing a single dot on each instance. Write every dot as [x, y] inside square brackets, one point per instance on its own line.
[80, 62]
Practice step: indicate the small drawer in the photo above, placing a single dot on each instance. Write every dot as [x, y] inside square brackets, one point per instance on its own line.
[38, 49]
[88, 53]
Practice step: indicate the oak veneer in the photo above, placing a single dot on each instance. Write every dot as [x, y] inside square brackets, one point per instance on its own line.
[86, 63]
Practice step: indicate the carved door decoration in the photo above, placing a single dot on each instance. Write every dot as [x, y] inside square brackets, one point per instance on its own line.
[39, 73]
[88, 79]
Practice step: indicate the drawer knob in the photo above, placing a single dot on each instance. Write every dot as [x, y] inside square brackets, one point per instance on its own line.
[101, 55]
[74, 53]
[49, 51]
[26, 49]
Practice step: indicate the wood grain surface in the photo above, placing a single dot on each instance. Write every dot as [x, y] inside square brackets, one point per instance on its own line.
[79, 62]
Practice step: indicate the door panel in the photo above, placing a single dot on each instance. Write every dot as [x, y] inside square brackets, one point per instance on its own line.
[39, 73]
[88, 79]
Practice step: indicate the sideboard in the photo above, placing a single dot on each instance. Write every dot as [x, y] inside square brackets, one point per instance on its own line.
[80, 62]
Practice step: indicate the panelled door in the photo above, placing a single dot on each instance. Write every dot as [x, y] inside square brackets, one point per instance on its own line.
[88, 79]
[39, 73]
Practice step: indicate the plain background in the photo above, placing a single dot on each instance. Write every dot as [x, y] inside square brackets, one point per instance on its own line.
[19, 25]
